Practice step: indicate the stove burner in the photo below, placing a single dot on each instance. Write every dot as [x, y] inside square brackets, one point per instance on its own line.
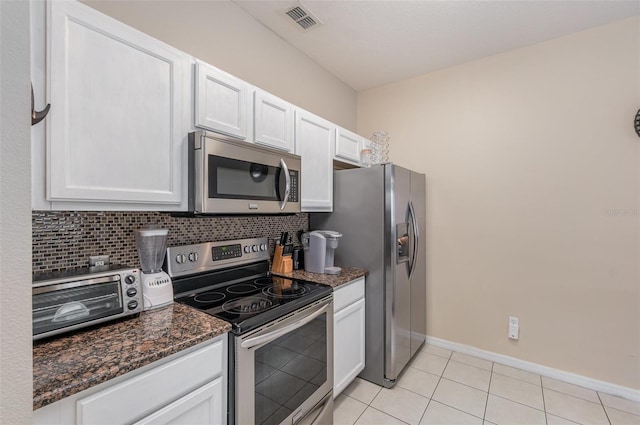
[248, 305]
[209, 297]
[242, 288]
[263, 281]
[280, 290]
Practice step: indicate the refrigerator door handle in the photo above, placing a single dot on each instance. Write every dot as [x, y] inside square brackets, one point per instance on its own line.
[414, 224]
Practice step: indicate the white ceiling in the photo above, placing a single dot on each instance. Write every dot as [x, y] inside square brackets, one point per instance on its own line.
[371, 43]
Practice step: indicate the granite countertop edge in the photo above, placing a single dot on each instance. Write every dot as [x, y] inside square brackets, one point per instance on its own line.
[116, 348]
[346, 275]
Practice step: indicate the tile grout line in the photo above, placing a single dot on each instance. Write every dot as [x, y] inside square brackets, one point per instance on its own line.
[544, 404]
[603, 408]
[436, 387]
[486, 403]
[439, 380]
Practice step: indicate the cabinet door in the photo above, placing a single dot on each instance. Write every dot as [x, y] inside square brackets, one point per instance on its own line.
[273, 121]
[315, 138]
[348, 146]
[348, 351]
[221, 101]
[200, 407]
[154, 389]
[117, 126]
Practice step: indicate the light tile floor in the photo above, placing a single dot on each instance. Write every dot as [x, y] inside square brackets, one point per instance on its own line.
[445, 387]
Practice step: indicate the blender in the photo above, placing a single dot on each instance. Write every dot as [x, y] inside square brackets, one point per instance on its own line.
[157, 289]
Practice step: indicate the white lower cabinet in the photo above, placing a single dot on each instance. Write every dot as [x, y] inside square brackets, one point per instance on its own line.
[349, 334]
[201, 406]
[184, 389]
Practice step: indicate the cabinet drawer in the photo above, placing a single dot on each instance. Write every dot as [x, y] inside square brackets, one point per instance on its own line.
[348, 294]
[152, 390]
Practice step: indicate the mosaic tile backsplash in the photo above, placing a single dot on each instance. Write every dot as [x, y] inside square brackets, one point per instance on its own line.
[65, 239]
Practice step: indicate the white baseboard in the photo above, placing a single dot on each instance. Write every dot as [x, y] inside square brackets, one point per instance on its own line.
[572, 378]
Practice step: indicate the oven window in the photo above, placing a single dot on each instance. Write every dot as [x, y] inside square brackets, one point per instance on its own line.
[235, 179]
[288, 370]
[67, 307]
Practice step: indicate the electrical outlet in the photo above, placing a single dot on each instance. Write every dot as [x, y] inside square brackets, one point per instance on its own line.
[514, 327]
[98, 260]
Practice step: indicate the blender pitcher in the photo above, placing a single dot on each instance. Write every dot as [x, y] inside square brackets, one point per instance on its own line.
[157, 289]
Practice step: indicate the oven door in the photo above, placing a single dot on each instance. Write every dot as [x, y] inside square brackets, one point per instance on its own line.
[239, 177]
[284, 370]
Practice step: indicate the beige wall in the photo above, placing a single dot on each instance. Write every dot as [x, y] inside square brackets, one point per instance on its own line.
[15, 216]
[533, 197]
[222, 34]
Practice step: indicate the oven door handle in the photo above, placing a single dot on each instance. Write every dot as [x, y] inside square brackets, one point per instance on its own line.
[271, 336]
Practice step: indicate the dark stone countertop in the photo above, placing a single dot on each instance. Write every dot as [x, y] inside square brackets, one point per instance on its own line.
[68, 364]
[334, 280]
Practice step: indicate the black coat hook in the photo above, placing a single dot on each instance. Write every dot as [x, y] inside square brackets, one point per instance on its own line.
[37, 116]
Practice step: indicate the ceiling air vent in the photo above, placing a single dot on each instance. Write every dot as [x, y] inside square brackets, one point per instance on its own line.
[303, 17]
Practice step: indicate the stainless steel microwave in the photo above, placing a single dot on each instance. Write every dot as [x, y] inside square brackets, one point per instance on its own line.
[227, 176]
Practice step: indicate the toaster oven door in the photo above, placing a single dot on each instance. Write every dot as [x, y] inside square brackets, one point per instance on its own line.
[62, 307]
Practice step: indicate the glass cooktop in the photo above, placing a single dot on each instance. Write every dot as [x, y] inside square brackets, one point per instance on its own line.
[250, 303]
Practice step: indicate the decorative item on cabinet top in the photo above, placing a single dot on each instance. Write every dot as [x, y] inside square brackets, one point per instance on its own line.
[37, 116]
[379, 147]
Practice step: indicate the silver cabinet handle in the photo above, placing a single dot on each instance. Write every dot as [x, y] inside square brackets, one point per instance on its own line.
[37, 116]
[287, 184]
[271, 336]
[416, 239]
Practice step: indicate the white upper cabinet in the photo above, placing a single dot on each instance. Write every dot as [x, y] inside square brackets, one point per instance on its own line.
[116, 134]
[315, 138]
[273, 121]
[222, 102]
[348, 146]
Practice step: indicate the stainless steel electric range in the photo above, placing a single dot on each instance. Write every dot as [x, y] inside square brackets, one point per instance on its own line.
[281, 342]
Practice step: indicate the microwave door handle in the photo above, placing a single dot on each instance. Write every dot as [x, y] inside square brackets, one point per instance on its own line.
[287, 184]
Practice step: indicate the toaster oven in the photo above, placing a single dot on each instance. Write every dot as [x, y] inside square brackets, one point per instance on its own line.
[68, 301]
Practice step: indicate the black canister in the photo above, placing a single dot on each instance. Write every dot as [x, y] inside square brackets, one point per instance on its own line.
[298, 258]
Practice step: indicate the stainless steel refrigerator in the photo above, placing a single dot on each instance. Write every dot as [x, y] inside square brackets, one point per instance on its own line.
[380, 212]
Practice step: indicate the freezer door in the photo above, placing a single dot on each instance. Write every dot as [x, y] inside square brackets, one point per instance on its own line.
[398, 291]
[419, 269]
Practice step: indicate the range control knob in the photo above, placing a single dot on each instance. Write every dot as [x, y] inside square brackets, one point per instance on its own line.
[263, 247]
[193, 256]
[247, 249]
[132, 304]
[130, 279]
[131, 292]
[254, 248]
[181, 258]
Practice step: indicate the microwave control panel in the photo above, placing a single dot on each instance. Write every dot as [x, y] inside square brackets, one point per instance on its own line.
[293, 190]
